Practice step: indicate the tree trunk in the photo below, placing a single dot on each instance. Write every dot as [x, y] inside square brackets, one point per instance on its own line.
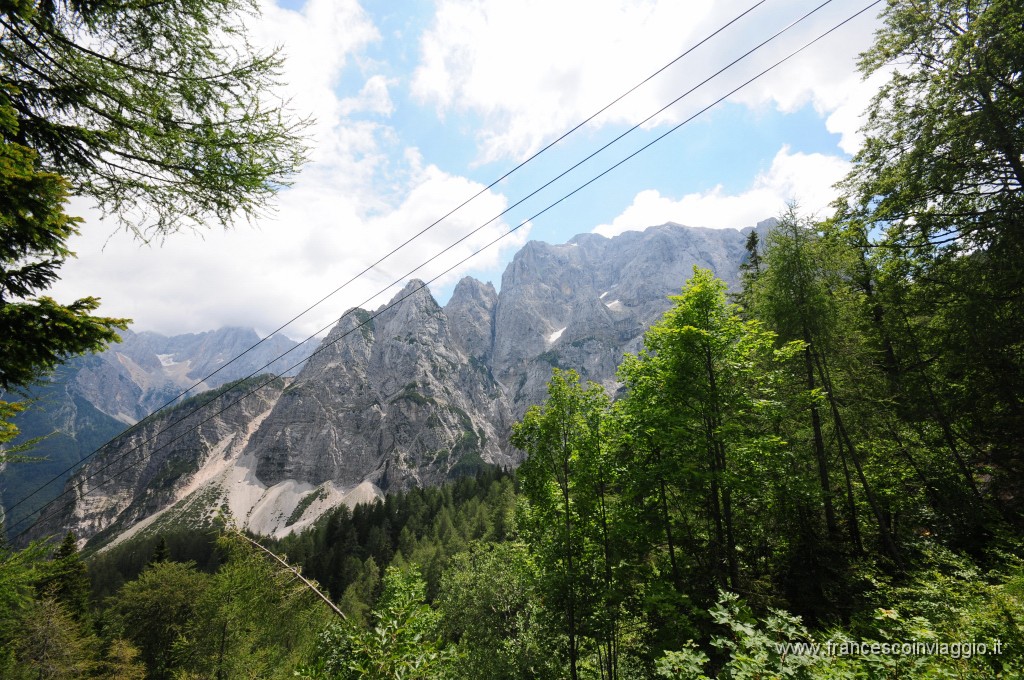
[668, 535]
[819, 445]
[717, 450]
[884, 535]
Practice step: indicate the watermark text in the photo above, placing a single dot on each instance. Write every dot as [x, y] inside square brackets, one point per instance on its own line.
[953, 650]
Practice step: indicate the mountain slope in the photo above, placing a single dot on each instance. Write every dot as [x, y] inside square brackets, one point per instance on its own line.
[92, 398]
[583, 304]
[414, 393]
[395, 402]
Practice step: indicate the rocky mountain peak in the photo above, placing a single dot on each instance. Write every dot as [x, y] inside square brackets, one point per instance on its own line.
[469, 290]
[470, 313]
[413, 393]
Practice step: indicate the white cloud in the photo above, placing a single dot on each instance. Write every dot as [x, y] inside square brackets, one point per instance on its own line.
[531, 69]
[527, 69]
[261, 277]
[361, 195]
[373, 98]
[805, 178]
[318, 41]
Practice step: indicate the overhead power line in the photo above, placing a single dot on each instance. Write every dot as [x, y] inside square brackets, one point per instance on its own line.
[395, 250]
[423, 285]
[507, 209]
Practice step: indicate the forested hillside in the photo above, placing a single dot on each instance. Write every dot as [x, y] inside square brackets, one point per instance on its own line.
[817, 476]
[754, 505]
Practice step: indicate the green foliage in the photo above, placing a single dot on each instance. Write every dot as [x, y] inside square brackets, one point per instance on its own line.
[935, 201]
[154, 611]
[303, 505]
[755, 651]
[845, 452]
[51, 645]
[121, 662]
[362, 591]
[699, 437]
[7, 430]
[161, 553]
[841, 412]
[402, 642]
[684, 664]
[944, 139]
[437, 523]
[489, 606]
[117, 565]
[36, 333]
[65, 579]
[565, 519]
[254, 619]
[948, 605]
[162, 113]
[18, 571]
[410, 394]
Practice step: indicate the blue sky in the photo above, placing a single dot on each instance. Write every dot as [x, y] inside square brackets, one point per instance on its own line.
[419, 105]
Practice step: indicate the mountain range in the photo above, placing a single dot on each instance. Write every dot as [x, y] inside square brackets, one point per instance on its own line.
[90, 399]
[412, 393]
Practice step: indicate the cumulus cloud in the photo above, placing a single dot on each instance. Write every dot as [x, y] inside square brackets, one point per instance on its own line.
[531, 69]
[525, 71]
[804, 178]
[261, 277]
[362, 194]
[373, 98]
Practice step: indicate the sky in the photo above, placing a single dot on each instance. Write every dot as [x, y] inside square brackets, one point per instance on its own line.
[420, 105]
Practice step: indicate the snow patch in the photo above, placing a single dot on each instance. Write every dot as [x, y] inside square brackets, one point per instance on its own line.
[166, 360]
[556, 335]
[614, 305]
[603, 294]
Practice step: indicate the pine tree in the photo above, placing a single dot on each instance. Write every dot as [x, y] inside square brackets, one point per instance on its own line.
[160, 112]
[36, 332]
[65, 579]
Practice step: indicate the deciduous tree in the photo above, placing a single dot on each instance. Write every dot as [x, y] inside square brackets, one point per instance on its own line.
[935, 200]
[560, 438]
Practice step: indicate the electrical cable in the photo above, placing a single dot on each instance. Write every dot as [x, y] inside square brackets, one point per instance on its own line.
[468, 257]
[500, 214]
[405, 243]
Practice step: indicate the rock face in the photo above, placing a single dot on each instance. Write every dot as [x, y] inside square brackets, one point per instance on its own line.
[138, 375]
[583, 304]
[145, 370]
[394, 400]
[147, 469]
[413, 393]
[470, 313]
[92, 398]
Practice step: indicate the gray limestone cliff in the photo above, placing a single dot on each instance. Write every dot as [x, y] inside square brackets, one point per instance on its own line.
[151, 467]
[583, 304]
[470, 313]
[394, 400]
[414, 394]
[92, 398]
